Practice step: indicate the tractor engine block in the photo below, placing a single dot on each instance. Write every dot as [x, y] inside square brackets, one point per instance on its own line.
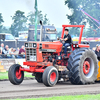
[48, 57]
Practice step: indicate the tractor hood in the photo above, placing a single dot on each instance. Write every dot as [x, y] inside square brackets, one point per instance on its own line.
[54, 46]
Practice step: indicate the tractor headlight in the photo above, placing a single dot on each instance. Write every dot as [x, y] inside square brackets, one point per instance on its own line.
[59, 57]
[77, 45]
[34, 45]
[73, 45]
[26, 44]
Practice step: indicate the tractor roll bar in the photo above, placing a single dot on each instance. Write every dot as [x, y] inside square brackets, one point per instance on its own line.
[81, 26]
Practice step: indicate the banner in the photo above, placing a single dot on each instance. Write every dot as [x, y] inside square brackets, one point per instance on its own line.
[6, 63]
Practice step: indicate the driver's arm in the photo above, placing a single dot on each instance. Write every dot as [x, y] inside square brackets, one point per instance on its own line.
[64, 39]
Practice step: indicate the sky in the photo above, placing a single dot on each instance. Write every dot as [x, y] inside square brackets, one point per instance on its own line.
[55, 9]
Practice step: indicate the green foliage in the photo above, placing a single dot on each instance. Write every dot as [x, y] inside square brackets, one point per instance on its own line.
[4, 75]
[90, 6]
[5, 30]
[74, 31]
[45, 20]
[1, 21]
[31, 18]
[73, 97]
[19, 23]
[40, 16]
[89, 33]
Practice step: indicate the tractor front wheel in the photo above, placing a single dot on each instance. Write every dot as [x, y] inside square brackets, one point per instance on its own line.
[50, 76]
[82, 66]
[15, 75]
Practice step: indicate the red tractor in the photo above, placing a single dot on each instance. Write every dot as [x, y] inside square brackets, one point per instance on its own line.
[48, 66]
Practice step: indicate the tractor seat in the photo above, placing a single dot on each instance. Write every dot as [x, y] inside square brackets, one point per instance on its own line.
[69, 49]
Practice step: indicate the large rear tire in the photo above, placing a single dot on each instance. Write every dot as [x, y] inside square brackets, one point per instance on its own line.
[38, 77]
[14, 76]
[82, 66]
[50, 76]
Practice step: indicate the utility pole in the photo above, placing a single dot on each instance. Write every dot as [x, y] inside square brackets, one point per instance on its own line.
[36, 10]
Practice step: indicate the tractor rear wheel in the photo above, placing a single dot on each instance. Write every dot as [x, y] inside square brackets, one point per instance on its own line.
[82, 66]
[14, 75]
[38, 77]
[50, 76]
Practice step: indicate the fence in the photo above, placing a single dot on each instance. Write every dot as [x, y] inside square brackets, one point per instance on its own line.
[7, 60]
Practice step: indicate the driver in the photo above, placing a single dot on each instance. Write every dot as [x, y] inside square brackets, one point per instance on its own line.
[68, 41]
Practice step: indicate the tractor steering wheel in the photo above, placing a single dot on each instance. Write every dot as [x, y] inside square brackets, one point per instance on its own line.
[61, 41]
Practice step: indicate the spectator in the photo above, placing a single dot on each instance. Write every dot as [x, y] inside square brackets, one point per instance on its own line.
[15, 51]
[0, 53]
[97, 51]
[22, 50]
[2, 48]
[18, 49]
[94, 48]
[6, 51]
[2, 45]
[12, 53]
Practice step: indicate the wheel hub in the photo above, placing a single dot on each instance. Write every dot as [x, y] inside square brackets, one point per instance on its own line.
[86, 67]
[52, 76]
[18, 74]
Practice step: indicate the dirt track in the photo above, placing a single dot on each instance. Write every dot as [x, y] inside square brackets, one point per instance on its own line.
[30, 89]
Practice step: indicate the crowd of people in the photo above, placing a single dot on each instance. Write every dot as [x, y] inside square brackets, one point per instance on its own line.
[6, 52]
[97, 51]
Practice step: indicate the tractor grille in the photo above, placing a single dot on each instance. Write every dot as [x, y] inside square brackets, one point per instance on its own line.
[30, 54]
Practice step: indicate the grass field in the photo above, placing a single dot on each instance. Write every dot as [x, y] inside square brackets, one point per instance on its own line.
[77, 97]
[4, 75]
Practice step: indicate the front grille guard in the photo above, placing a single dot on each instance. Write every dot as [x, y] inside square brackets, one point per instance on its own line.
[30, 52]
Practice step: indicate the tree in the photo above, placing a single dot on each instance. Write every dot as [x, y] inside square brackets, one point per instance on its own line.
[74, 31]
[46, 20]
[89, 33]
[31, 18]
[19, 23]
[90, 6]
[1, 21]
[5, 30]
[40, 16]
